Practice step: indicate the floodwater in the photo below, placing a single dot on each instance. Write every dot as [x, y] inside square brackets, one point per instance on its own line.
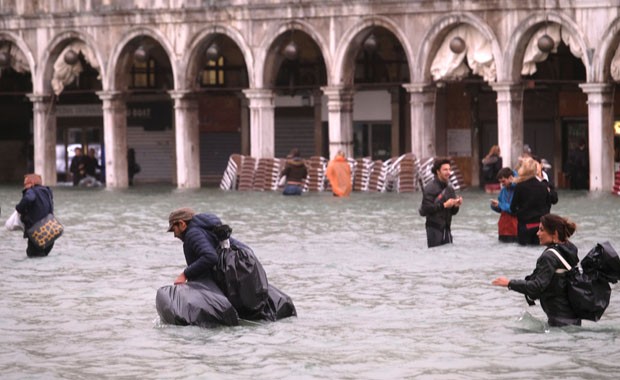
[373, 302]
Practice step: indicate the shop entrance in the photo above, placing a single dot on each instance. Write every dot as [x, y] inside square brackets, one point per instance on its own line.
[69, 138]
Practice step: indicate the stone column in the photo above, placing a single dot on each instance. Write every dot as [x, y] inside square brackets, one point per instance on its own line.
[509, 121]
[395, 130]
[44, 139]
[245, 125]
[115, 138]
[600, 135]
[187, 139]
[262, 115]
[318, 123]
[340, 118]
[423, 126]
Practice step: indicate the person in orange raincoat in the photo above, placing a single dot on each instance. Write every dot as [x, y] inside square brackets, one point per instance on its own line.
[339, 175]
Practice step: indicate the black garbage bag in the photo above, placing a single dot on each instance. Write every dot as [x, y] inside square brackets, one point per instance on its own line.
[243, 280]
[241, 276]
[200, 303]
[280, 305]
[588, 289]
[604, 260]
[588, 294]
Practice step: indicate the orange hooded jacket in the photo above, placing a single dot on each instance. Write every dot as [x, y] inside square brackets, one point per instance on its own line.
[339, 175]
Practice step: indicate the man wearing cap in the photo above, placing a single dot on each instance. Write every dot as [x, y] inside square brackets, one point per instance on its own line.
[199, 242]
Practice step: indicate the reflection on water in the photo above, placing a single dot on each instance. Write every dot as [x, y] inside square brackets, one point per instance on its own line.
[373, 301]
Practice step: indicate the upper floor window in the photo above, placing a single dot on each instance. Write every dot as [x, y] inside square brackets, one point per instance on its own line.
[213, 73]
[143, 74]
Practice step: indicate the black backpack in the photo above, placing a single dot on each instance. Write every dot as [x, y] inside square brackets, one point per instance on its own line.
[588, 287]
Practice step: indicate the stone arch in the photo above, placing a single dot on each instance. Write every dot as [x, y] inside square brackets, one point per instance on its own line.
[266, 55]
[601, 63]
[116, 57]
[43, 74]
[433, 39]
[515, 49]
[345, 53]
[25, 49]
[187, 67]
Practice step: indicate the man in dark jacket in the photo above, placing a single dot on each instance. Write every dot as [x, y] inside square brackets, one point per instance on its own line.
[36, 203]
[199, 242]
[439, 203]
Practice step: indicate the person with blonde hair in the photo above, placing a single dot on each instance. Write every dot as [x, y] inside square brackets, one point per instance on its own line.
[36, 203]
[530, 201]
[548, 282]
[339, 175]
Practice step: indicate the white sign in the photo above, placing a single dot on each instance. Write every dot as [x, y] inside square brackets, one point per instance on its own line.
[459, 142]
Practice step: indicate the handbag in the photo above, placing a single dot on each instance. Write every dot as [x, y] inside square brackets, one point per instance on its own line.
[45, 232]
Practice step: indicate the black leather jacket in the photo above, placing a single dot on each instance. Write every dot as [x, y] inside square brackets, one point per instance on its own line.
[435, 194]
[548, 286]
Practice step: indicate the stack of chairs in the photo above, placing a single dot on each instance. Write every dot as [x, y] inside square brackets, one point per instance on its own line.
[378, 176]
[316, 166]
[456, 177]
[403, 175]
[426, 174]
[229, 179]
[246, 173]
[267, 174]
[616, 188]
[361, 173]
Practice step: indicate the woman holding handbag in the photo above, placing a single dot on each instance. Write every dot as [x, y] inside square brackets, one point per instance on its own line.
[36, 204]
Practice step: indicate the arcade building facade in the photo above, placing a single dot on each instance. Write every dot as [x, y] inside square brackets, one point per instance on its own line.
[188, 83]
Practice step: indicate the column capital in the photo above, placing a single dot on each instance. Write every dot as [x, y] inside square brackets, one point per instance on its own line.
[110, 95]
[596, 88]
[259, 93]
[260, 97]
[182, 94]
[506, 86]
[339, 98]
[421, 87]
[39, 98]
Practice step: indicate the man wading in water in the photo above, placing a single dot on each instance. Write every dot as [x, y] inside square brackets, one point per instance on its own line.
[439, 203]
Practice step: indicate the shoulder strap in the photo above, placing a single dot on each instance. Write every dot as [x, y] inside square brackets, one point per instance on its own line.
[568, 267]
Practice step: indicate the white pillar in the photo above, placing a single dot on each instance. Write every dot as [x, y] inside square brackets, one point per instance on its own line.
[44, 138]
[187, 139]
[340, 119]
[600, 135]
[509, 121]
[115, 138]
[262, 114]
[423, 127]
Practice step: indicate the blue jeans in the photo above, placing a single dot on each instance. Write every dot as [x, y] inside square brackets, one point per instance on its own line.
[292, 190]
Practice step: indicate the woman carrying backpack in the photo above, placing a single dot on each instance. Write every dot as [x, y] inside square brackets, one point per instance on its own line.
[548, 282]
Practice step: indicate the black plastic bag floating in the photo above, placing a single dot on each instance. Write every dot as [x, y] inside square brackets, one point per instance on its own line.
[589, 291]
[241, 277]
[280, 305]
[199, 303]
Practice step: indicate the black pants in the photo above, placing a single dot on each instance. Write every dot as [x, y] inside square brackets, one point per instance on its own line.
[438, 236]
[34, 251]
[527, 236]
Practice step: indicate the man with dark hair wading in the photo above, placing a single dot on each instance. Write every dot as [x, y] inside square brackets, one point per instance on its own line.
[439, 203]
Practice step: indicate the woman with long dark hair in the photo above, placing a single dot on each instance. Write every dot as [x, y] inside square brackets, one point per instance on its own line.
[548, 282]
